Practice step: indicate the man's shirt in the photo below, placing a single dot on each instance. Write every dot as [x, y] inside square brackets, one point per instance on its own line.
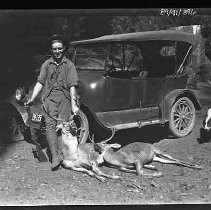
[57, 77]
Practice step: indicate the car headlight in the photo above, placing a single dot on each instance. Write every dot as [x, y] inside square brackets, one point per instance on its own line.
[19, 94]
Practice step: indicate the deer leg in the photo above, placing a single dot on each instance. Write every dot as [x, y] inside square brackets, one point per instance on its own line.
[100, 173]
[90, 173]
[134, 171]
[176, 162]
[159, 153]
[172, 160]
[127, 170]
[140, 171]
[162, 160]
[162, 155]
[70, 165]
[150, 167]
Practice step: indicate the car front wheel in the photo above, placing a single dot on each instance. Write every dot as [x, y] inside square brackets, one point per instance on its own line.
[182, 117]
[83, 127]
[11, 124]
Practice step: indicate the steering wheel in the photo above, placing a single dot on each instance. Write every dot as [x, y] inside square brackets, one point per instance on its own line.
[135, 53]
[109, 67]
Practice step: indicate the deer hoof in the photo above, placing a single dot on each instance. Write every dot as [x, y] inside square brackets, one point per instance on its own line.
[159, 174]
[199, 167]
[101, 179]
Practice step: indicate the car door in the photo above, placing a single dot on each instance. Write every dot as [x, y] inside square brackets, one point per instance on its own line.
[118, 94]
[158, 57]
[152, 91]
[119, 100]
[148, 93]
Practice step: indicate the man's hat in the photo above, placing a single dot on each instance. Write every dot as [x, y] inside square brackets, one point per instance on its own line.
[57, 37]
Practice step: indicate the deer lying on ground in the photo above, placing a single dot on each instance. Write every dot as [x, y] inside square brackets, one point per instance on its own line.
[79, 157]
[136, 156]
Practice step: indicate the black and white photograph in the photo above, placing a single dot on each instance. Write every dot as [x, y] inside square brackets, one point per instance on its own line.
[105, 106]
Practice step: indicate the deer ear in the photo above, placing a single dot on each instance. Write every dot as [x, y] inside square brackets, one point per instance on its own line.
[71, 118]
[59, 127]
[115, 145]
[98, 148]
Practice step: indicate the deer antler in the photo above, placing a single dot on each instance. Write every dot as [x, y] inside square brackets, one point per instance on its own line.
[113, 130]
[92, 139]
[71, 117]
[58, 118]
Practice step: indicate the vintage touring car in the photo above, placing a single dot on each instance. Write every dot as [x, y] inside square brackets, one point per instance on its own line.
[130, 80]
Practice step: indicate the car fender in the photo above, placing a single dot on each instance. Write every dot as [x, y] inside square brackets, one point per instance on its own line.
[17, 109]
[94, 121]
[171, 98]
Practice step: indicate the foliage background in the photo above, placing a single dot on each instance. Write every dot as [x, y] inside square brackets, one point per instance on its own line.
[25, 35]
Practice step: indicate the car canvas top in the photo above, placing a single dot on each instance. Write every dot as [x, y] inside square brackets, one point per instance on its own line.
[144, 36]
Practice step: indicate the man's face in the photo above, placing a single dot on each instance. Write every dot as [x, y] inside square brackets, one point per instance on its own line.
[57, 49]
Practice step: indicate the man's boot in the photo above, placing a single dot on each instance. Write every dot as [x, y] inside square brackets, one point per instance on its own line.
[40, 154]
[53, 145]
[37, 149]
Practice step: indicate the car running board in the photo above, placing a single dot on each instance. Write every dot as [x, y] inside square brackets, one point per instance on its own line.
[138, 124]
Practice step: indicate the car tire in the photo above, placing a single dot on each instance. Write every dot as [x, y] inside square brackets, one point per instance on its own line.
[11, 124]
[82, 124]
[182, 117]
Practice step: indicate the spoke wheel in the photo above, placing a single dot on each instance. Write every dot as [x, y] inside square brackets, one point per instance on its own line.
[83, 127]
[182, 117]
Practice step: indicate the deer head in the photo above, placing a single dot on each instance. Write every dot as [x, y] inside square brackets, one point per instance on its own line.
[66, 127]
[113, 131]
[103, 146]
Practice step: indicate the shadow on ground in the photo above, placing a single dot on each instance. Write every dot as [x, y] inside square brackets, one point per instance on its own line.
[205, 137]
[150, 134]
[5, 144]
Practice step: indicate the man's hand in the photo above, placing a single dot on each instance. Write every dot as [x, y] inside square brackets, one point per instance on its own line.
[29, 102]
[75, 110]
[37, 88]
[74, 105]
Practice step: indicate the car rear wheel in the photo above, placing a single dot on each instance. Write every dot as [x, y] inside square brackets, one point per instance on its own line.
[182, 117]
[83, 127]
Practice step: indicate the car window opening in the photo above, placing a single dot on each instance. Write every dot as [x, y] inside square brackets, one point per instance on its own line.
[134, 59]
[124, 61]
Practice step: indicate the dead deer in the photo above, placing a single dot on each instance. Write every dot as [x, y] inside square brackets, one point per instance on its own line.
[136, 156]
[79, 157]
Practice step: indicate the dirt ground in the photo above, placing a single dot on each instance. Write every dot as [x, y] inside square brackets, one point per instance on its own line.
[26, 182]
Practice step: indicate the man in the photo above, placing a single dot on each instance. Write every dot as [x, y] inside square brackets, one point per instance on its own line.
[58, 79]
